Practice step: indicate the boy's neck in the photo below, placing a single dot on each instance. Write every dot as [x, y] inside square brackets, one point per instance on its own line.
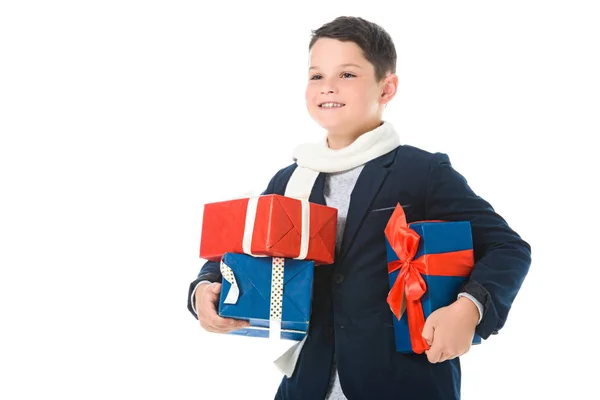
[337, 141]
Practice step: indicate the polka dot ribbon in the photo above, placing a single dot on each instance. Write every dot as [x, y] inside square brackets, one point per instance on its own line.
[234, 292]
[276, 298]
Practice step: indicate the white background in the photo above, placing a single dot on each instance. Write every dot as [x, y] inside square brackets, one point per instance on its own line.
[120, 119]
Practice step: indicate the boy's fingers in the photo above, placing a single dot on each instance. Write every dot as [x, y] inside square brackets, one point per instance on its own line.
[433, 357]
[210, 320]
[239, 324]
[428, 331]
[434, 354]
[215, 288]
[224, 325]
[211, 302]
[207, 311]
[213, 329]
[209, 328]
[205, 296]
[213, 325]
[218, 322]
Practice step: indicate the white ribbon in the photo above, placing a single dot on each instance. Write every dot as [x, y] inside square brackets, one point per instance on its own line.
[299, 186]
[251, 219]
[304, 239]
[234, 291]
[286, 363]
[249, 228]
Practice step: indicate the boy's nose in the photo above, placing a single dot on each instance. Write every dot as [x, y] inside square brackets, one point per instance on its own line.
[328, 86]
[328, 89]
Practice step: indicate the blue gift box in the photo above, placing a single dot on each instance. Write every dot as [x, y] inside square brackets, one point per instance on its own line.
[440, 244]
[254, 279]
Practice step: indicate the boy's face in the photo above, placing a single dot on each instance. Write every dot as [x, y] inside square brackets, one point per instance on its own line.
[339, 73]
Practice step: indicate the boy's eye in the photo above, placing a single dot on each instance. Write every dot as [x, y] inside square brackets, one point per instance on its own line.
[344, 75]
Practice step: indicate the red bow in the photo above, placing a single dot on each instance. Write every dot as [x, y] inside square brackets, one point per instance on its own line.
[409, 286]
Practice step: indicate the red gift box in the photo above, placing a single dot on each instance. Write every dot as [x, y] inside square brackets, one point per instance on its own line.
[270, 225]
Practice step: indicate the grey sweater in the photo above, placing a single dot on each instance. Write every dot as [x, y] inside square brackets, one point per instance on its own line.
[338, 188]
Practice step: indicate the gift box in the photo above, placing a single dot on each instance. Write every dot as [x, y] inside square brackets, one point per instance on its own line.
[428, 262]
[272, 293]
[271, 225]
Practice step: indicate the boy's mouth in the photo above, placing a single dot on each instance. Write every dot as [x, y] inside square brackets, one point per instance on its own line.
[331, 105]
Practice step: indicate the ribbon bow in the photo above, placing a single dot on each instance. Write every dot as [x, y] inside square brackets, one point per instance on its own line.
[410, 286]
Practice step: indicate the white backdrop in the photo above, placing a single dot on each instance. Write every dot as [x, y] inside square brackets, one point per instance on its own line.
[120, 119]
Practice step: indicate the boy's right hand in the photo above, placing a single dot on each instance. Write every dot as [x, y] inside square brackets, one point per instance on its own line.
[207, 298]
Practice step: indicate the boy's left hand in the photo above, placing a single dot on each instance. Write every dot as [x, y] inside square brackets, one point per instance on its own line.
[450, 330]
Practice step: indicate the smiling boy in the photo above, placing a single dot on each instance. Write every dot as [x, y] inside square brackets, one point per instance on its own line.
[363, 170]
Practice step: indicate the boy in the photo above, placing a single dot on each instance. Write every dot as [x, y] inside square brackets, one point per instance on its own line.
[363, 171]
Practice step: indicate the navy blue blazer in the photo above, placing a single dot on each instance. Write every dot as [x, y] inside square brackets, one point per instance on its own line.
[350, 313]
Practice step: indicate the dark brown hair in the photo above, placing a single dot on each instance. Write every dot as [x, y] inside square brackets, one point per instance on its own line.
[376, 44]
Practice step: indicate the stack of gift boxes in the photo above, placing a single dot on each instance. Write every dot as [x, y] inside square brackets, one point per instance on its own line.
[268, 247]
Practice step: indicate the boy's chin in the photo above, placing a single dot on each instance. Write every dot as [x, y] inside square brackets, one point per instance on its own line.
[333, 126]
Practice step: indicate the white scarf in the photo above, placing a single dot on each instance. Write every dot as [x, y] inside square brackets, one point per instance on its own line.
[313, 158]
[370, 145]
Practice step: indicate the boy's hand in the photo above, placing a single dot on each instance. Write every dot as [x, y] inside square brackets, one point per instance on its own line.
[207, 298]
[450, 330]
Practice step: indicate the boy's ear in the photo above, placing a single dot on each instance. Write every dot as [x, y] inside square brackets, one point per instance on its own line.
[389, 88]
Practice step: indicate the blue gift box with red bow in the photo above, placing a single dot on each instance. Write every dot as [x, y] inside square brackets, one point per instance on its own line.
[428, 262]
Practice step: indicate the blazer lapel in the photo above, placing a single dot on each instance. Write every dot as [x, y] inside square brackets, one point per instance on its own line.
[367, 187]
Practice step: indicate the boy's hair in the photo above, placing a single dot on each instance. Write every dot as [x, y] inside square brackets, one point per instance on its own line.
[376, 44]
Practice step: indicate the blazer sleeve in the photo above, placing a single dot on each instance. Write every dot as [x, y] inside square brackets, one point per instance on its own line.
[211, 270]
[502, 257]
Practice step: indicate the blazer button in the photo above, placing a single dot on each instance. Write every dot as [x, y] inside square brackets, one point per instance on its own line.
[337, 277]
